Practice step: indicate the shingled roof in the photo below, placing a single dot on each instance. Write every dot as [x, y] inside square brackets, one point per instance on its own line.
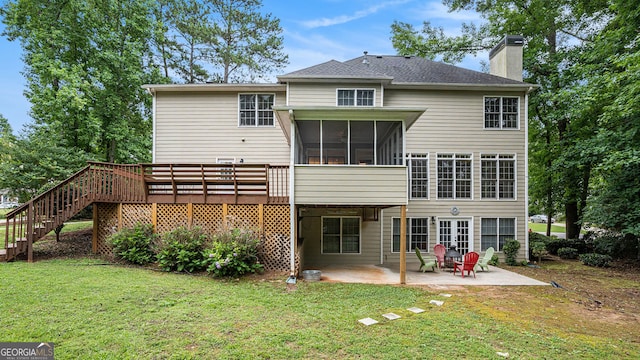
[399, 70]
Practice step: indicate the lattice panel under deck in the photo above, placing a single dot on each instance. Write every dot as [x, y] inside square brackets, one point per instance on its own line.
[274, 253]
[276, 219]
[107, 226]
[249, 215]
[133, 214]
[170, 217]
[207, 216]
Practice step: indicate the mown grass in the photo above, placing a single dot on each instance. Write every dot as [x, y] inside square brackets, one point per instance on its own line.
[540, 227]
[92, 309]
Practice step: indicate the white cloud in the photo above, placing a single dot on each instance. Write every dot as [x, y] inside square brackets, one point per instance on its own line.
[341, 19]
[437, 10]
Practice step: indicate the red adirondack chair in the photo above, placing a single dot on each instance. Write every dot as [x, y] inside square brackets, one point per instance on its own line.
[468, 263]
[438, 251]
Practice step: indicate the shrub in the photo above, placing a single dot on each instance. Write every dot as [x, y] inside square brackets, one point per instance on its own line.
[538, 249]
[614, 244]
[593, 259]
[134, 245]
[568, 253]
[183, 250]
[234, 252]
[510, 250]
[494, 260]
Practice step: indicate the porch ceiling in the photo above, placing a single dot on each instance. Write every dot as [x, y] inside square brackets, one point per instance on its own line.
[287, 114]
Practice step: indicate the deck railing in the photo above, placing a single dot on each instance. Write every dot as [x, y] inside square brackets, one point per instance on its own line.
[142, 183]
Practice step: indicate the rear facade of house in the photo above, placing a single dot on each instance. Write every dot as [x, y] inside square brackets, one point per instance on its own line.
[365, 139]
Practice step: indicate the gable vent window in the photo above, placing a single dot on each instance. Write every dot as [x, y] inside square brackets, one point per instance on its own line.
[355, 97]
[256, 109]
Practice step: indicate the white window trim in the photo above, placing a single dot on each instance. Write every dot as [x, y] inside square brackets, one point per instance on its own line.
[355, 97]
[256, 125]
[484, 127]
[429, 242]
[515, 175]
[409, 157]
[341, 253]
[515, 230]
[454, 181]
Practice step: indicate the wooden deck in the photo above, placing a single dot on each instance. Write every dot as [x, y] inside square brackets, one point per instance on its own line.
[142, 183]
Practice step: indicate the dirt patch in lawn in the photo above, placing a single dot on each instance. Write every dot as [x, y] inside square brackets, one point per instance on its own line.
[74, 244]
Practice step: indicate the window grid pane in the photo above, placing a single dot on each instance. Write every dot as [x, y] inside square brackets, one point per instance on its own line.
[365, 98]
[346, 97]
[507, 179]
[489, 234]
[419, 165]
[489, 179]
[256, 109]
[492, 112]
[507, 230]
[463, 179]
[445, 177]
[341, 235]
[510, 113]
[419, 234]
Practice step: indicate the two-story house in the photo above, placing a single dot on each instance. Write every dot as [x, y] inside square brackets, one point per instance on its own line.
[371, 143]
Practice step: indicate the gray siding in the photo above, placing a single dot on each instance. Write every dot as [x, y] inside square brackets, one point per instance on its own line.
[202, 127]
[351, 185]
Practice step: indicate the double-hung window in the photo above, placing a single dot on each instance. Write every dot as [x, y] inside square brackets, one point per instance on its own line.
[496, 231]
[419, 170]
[256, 109]
[501, 112]
[340, 235]
[355, 97]
[417, 234]
[498, 176]
[454, 176]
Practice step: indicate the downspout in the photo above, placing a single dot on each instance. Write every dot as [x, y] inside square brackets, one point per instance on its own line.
[153, 121]
[526, 170]
[292, 207]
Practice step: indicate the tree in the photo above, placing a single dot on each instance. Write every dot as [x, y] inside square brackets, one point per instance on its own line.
[556, 32]
[219, 41]
[85, 62]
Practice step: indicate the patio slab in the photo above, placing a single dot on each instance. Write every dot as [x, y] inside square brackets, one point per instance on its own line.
[381, 274]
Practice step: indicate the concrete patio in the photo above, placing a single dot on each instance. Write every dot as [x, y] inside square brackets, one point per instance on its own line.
[381, 274]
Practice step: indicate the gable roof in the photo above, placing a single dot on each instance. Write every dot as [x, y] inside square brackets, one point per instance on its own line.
[399, 70]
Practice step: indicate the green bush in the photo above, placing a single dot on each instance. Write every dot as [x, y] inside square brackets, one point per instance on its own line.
[494, 260]
[615, 245]
[134, 245]
[538, 249]
[183, 250]
[510, 250]
[597, 260]
[568, 253]
[234, 252]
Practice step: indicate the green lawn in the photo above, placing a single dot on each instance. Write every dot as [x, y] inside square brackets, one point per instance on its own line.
[540, 227]
[94, 310]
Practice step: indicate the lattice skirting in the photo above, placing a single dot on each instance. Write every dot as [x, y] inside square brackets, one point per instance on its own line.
[272, 220]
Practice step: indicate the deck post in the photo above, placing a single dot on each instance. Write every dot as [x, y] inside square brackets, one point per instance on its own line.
[403, 244]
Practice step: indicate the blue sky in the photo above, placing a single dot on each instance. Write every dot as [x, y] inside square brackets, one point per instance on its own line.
[315, 31]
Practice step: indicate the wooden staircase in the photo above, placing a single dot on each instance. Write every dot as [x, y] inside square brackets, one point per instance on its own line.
[98, 182]
[140, 183]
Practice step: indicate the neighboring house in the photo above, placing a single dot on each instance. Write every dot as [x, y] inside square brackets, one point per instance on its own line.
[367, 141]
[7, 201]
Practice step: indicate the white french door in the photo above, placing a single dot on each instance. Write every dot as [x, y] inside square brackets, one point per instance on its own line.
[457, 232]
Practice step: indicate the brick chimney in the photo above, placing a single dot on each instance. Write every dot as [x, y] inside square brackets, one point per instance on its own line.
[505, 59]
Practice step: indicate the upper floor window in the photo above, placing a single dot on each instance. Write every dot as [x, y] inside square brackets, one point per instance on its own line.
[419, 170]
[355, 97]
[500, 112]
[256, 109]
[498, 179]
[454, 176]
